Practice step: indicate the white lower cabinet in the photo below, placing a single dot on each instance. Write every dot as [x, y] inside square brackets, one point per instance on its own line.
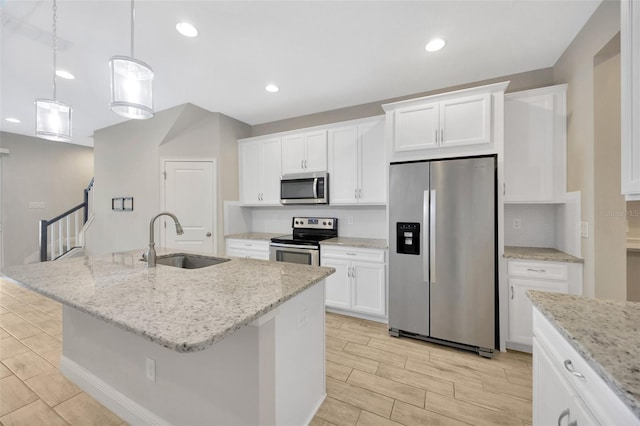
[250, 249]
[542, 276]
[566, 390]
[359, 284]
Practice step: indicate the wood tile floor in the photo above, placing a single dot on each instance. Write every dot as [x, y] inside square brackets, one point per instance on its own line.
[372, 378]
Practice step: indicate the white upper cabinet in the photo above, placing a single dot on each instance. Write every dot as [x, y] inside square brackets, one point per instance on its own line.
[535, 159]
[356, 164]
[304, 152]
[630, 90]
[465, 122]
[259, 162]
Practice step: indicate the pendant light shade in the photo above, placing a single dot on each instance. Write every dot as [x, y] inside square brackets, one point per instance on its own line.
[131, 83]
[131, 88]
[53, 120]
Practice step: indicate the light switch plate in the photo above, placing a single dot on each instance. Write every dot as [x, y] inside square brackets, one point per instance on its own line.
[584, 229]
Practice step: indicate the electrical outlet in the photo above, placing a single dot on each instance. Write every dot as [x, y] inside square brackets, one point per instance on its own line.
[584, 229]
[517, 223]
[151, 369]
[350, 220]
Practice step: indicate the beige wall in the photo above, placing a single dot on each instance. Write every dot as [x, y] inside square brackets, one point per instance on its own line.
[128, 161]
[576, 67]
[521, 81]
[38, 170]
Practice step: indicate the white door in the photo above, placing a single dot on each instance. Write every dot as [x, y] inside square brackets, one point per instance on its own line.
[189, 194]
[343, 170]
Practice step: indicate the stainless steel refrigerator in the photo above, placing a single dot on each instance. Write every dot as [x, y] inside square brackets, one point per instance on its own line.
[442, 257]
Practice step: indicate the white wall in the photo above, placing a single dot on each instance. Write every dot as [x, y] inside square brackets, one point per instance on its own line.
[538, 225]
[43, 171]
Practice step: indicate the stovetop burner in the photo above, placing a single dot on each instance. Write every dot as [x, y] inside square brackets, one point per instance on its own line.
[309, 231]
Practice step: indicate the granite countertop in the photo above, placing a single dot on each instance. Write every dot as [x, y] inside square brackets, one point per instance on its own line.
[180, 309]
[264, 236]
[606, 333]
[540, 253]
[371, 243]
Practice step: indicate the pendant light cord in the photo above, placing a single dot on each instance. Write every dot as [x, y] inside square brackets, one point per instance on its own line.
[133, 18]
[54, 32]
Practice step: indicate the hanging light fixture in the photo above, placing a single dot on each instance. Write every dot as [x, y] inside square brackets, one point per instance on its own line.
[131, 84]
[53, 118]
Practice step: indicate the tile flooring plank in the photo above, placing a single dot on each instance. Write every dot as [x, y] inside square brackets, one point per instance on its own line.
[318, 421]
[335, 342]
[338, 412]
[359, 397]
[523, 379]
[50, 326]
[362, 330]
[370, 419]
[518, 407]
[3, 334]
[395, 390]
[52, 387]
[36, 316]
[350, 360]
[419, 354]
[14, 394]
[347, 335]
[407, 414]
[505, 387]
[36, 413]
[466, 412]
[4, 371]
[84, 410]
[28, 365]
[413, 378]
[338, 371]
[11, 347]
[42, 343]
[345, 318]
[445, 372]
[22, 329]
[376, 354]
[53, 357]
[471, 362]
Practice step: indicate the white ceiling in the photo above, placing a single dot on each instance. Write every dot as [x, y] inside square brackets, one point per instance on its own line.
[323, 54]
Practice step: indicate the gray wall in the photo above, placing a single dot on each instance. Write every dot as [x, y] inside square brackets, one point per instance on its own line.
[38, 170]
[128, 163]
[521, 81]
[576, 68]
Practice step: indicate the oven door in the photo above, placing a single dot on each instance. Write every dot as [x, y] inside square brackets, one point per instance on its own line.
[304, 255]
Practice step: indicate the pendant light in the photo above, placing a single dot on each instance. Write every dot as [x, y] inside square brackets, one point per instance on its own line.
[131, 84]
[53, 118]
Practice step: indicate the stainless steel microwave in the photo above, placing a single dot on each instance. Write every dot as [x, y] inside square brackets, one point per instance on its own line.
[304, 188]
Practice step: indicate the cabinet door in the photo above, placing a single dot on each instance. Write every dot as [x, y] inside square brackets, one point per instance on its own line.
[528, 148]
[293, 154]
[520, 308]
[373, 183]
[249, 157]
[552, 395]
[416, 128]
[465, 121]
[316, 151]
[338, 285]
[270, 172]
[630, 85]
[343, 161]
[368, 288]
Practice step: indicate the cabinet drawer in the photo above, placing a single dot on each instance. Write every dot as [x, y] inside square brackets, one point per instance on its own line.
[544, 270]
[248, 245]
[353, 253]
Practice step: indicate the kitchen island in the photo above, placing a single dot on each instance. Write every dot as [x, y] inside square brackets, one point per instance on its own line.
[241, 342]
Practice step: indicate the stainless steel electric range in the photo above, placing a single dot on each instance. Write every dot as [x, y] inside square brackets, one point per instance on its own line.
[303, 246]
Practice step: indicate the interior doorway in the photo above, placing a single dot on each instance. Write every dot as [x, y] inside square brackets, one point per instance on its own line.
[189, 191]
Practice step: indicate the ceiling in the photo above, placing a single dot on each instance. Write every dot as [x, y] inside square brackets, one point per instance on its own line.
[324, 55]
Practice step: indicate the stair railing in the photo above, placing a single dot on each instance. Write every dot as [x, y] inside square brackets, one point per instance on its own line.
[56, 234]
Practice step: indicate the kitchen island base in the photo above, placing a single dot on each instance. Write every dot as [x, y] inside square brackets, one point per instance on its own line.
[269, 372]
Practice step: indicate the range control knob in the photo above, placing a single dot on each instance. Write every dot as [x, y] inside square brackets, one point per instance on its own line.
[324, 223]
[296, 222]
[329, 223]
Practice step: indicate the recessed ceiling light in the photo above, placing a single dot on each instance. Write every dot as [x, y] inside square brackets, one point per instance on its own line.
[65, 74]
[434, 45]
[186, 29]
[272, 88]
[12, 120]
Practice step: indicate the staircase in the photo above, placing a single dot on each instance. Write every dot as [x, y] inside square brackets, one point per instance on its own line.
[63, 235]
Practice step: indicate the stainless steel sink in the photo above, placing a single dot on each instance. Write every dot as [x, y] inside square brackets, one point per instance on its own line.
[189, 261]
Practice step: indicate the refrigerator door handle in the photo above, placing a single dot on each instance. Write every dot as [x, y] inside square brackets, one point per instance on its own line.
[432, 237]
[425, 236]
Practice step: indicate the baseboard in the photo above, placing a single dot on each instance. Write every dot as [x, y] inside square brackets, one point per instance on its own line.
[521, 347]
[318, 405]
[375, 318]
[123, 406]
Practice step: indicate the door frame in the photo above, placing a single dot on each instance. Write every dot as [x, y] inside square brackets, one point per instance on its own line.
[3, 151]
[214, 195]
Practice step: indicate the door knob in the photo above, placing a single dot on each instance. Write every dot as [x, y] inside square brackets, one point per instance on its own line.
[208, 234]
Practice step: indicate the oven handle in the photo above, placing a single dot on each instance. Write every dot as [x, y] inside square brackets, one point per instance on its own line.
[295, 246]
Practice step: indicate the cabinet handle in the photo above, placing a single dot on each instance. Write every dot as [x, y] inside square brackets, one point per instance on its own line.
[355, 193]
[564, 414]
[305, 164]
[569, 366]
[441, 135]
[360, 193]
[536, 270]
[436, 135]
[353, 272]
[351, 254]
[511, 292]
[573, 423]
[349, 271]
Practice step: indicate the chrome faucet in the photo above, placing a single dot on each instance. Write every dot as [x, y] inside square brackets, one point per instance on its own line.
[151, 252]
